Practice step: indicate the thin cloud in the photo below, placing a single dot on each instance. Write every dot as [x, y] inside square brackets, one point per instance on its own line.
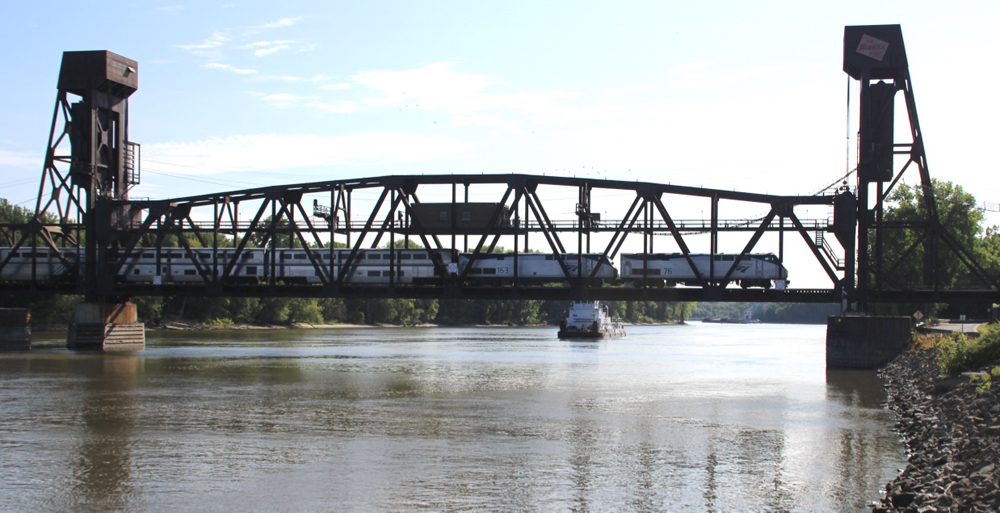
[264, 48]
[229, 67]
[471, 98]
[222, 42]
[281, 23]
[335, 108]
[20, 160]
[283, 100]
[270, 152]
[700, 75]
[210, 48]
[282, 78]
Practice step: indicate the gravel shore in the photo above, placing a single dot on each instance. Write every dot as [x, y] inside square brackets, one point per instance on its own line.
[952, 433]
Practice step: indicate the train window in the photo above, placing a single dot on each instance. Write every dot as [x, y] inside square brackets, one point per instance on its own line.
[549, 257]
[300, 256]
[443, 216]
[373, 273]
[246, 256]
[466, 216]
[204, 256]
[189, 272]
[251, 270]
[135, 271]
[489, 270]
[373, 256]
[406, 256]
[500, 257]
[286, 256]
[148, 255]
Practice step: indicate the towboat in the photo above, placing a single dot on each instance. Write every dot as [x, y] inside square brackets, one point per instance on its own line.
[590, 320]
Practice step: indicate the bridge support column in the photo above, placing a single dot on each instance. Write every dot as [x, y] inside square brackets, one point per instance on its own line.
[856, 342]
[106, 327]
[15, 332]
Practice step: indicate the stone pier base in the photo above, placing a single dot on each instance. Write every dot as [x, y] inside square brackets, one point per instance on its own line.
[857, 342]
[106, 327]
[15, 332]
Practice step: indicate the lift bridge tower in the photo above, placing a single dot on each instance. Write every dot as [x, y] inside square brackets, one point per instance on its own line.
[79, 188]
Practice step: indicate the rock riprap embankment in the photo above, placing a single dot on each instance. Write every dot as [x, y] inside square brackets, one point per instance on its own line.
[952, 433]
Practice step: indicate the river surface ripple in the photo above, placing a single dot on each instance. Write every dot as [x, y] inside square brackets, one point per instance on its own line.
[670, 418]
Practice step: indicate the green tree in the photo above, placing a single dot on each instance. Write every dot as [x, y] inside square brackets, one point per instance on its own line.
[931, 262]
[13, 214]
[957, 214]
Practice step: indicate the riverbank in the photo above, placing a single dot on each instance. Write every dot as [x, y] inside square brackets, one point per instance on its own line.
[952, 433]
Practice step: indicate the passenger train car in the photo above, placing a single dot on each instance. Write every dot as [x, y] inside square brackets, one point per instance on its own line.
[370, 266]
[253, 265]
[537, 267]
[376, 267]
[755, 270]
[41, 264]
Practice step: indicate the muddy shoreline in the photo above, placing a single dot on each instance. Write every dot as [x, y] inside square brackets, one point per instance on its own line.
[952, 434]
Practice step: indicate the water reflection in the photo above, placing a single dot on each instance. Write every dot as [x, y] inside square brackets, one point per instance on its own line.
[858, 388]
[699, 419]
[864, 432]
[103, 471]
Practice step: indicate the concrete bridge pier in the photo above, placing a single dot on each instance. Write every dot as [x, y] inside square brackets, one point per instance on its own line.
[865, 342]
[110, 327]
[15, 330]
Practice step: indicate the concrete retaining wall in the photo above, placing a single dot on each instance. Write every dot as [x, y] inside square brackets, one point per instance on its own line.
[856, 342]
[15, 330]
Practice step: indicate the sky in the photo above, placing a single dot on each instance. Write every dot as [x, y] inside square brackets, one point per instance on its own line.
[746, 96]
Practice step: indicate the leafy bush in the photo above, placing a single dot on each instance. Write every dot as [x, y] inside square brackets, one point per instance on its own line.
[961, 353]
[220, 324]
[984, 381]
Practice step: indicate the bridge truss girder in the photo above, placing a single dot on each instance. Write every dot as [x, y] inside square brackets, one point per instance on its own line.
[279, 218]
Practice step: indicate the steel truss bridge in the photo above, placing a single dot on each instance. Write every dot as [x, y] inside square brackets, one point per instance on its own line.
[84, 208]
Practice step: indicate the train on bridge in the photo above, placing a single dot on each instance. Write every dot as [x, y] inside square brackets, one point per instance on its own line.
[407, 267]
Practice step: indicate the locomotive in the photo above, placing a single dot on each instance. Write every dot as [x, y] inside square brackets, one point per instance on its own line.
[671, 269]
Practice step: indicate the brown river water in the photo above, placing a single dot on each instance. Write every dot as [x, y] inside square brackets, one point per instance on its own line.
[671, 418]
